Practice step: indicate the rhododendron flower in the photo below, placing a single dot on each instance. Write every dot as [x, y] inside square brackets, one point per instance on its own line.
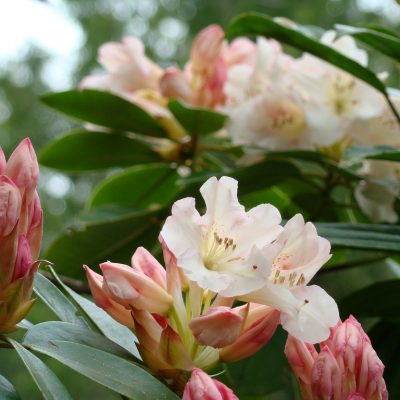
[202, 387]
[307, 312]
[347, 366]
[20, 233]
[217, 250]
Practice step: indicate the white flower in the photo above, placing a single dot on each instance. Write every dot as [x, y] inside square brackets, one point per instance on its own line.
[307, 312]
[217, 250]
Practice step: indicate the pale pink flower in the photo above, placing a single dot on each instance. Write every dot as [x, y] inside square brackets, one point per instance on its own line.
[217, 249]
[202, 387]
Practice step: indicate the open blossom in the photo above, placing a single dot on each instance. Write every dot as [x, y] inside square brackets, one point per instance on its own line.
[307, 312]
[202, 387]
[217, 250]
[20, 233]
[347, 367]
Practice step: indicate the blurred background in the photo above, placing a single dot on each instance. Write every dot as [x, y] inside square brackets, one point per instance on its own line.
[48, 46]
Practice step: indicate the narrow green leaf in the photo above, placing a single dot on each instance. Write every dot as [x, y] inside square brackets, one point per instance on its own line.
[84, 151]
[45, 379]
[197, 121]
[56, 301]
[100, 319]
[44, 333]
[152, 186]
[383, 42]
[107, 369]
[104, 109]
[254, 24]
[7, 390]
[381, 299]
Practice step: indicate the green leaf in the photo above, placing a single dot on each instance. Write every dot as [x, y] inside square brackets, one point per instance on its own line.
[197, 121]
[254, 24]
[361, 236]
[7, 391]
[94, 242]
[107, 369]
[104, 109]
[383, 42]
[44, 333]
[100, 319]
[354, 154]
[381, 299]
[84, 151]
[56, 301]
[153, 186]
[47, 382]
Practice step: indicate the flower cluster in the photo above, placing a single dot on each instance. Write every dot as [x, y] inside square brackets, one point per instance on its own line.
[185, 316]
[20, 233]
[347, 366]
[274, 101]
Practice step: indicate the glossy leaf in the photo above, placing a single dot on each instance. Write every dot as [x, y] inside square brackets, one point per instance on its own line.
[7, 391]
[99, 319]
[197, 121]
[45, 379]
[107, 369]
[381, 299]
[254, 24]
[361, 236]
[85, 150]
[383, 42]
[353, 155]
[44, 333]
[104, 109]
[57, 301]
[145, 186]
[94, 242]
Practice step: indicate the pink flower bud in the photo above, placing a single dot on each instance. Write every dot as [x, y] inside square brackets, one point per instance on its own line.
[173, 351]
[144, 262]
[202, 387]
[22, 166]
[218, 327]
[23, 261]
[174, 85]
[115, 310]
[326, 380]
[134, 289]
[2, 162]
[206, 49]
[10, 205]
[301, 357]
[253, 337]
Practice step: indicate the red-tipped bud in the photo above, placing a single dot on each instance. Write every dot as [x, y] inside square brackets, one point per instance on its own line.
[10, 205]
[144, 262]
[134, 289]
[253, 337]
[202, 387]
[174, 85]
[115, 310]
[206, 49]
[22, 166]
[23, 261]
[326, 381]
[218, 327]
[3, 162]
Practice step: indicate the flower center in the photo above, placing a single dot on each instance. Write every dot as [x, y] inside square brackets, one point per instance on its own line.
[218, 250]
[282, 274]
[341, 93]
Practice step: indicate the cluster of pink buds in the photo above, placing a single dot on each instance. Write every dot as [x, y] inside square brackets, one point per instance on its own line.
[346, 368]
[20, 233]
[179, 326]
